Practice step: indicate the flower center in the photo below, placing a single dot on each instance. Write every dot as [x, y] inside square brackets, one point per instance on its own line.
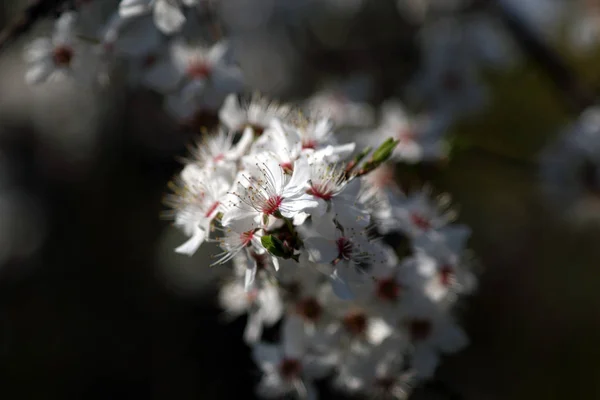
[62, 56]
[385, 384]
[420, 222]
[420, 329]
[388, 289]
[446, 273]
[252, 295]
[211, 209]
[309, 309]
[309, 144]
[246, 238]
[272, 205]
[149, 60]
[355, 322]
[344, 246]
[198, 70]
[287, 167]
[320, 191]
[290, 368]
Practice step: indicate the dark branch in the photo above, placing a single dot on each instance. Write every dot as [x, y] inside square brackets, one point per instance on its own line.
[573, 90]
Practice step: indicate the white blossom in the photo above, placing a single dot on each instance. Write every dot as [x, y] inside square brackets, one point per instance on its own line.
[57, 57]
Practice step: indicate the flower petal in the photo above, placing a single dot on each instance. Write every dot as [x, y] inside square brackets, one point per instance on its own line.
[267, 356]
[254, 328]
[162, 77]
[321, 250]
[340, 286]
[191, 246]
[168, 17]
[134, 8]
[38, 73]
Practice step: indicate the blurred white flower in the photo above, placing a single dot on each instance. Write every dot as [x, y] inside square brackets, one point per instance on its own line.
[57, 57]
[168, 15]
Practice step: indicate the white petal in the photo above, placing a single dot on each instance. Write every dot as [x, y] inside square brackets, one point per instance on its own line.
[181, 54]
[321, 250]
[272, 386]
[191, 246]
[275, 262]
[271, 306]
[350, 216]
[38, 73]
[231, 114]
[318, 367]
[233, 298]
[351, 190]
[270, 168]
[325, 227]
[138, 37]
[340, 286]
[162, 77]
[267, 356]
[64, 25]
[300, 176]
[378, 330]
[240, 218]
[293, 337]
[168, 17]
[334, 154]
[193, 91]
[291, 206]
[323, 128]
[243, 144]
[410, 152]
[37, 50]
[217, 52]
[134, 8]
[250, 275]
[299, 218]
[224, 80]
[254, 328]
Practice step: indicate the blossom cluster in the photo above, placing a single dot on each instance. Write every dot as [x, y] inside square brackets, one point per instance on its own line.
[358, 278]
[304, 219]
[180, 50]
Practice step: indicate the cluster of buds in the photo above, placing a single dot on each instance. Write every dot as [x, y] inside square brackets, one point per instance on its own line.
[304, 220]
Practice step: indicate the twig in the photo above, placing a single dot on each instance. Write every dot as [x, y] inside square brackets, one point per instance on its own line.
[574, 91]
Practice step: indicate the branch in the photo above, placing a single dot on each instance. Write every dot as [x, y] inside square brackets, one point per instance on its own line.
[574, 91]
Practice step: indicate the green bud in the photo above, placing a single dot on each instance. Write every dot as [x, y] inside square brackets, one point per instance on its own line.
[384, 151]
[379, 156]
[277, 248]
[274, 246]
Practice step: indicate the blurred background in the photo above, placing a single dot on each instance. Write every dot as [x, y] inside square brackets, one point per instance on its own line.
[94, 303]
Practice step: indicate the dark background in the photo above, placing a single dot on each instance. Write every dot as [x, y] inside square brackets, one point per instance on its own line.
[92, 313]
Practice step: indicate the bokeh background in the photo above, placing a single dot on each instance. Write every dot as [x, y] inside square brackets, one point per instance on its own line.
[94, 303]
